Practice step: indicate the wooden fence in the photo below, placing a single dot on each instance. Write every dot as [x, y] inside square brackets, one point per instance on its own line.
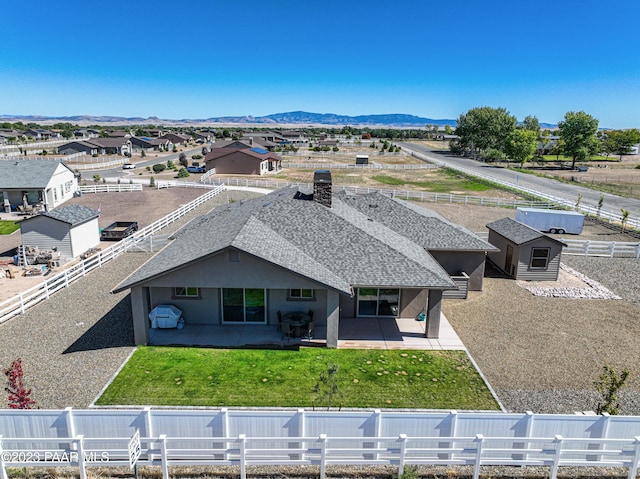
[19, 303]
[188, 437]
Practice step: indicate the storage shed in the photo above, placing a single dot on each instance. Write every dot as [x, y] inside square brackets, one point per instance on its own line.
[525, 253]
[71, 230]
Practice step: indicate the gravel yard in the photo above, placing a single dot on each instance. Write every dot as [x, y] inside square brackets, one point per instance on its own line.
[539, 354]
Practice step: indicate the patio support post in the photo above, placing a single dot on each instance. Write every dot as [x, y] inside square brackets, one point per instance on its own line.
[140, 320]
[333, 318]
[434, 306]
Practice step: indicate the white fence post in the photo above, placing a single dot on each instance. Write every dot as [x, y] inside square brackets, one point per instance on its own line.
[403, 453]
[553, 474]
[476, 467]
[323, 455]
[243, 466]
[3, 469]
[163, 456]
[81, 464]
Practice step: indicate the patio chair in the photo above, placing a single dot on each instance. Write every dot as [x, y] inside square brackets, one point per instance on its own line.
[310, 329]
[287, 331]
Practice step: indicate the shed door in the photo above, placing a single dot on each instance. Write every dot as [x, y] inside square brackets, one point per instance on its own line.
[508, 259]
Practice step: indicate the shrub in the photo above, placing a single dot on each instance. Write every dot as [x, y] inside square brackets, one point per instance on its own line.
[196, 157]
[19, 395]
[159, 168]
[183, 173]
[171, 165]
[96, 177]
[152, 182]
[143, 154]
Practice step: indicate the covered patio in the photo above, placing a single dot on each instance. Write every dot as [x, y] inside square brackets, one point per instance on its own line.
[354, 333]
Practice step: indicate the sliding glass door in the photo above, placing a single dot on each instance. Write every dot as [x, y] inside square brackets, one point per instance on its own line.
[240, 305]
[378, 302]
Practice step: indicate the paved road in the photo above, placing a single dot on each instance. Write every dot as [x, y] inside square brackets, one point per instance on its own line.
[568, 191]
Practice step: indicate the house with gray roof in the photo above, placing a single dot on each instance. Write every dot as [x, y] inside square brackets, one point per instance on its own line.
[341, 257]
[48, 183]
[71, 230]
[524, 252]
[119, 145]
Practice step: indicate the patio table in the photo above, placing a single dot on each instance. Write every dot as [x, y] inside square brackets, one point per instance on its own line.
[298, 320]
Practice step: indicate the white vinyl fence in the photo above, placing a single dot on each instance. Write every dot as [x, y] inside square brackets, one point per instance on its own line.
[106, 188]
[194, 437]
[609, 249]
[97, 164]
[19, 303]
[369, 166]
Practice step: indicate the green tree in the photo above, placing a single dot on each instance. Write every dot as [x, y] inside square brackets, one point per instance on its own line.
[521, 145]
[159, 167]
[578, 132]
[531, 123]
[484, 128]
[448, 130]
[619, 142]
[183, 173]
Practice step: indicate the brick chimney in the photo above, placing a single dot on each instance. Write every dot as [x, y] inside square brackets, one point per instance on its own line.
[322, 187]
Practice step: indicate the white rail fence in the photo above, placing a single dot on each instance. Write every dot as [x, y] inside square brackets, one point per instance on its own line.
[105, 188]
[369, 166]
[97, 164]
[609, 249]
[632, 222]
[19, 303]
[188, 437]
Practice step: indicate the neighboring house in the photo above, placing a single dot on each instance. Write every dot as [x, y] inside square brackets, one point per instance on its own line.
[248, 161]
[246, 143]
[120, 134]
[295, 137]
[41, 134]
[156, 144]
[46, 182]
[71, 230]
[205, 136]
[525, 253]
[177, 138]
[263, 137]
[341, 256]
[331, 142]
[98, 146]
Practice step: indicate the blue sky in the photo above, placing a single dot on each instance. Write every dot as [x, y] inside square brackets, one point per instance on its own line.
[206, 58]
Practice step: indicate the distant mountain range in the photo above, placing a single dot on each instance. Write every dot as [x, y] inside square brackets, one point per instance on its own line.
[290, 118]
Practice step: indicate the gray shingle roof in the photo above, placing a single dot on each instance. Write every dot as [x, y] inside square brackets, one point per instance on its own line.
[73, 214]
[27, 174]
[339, 246]
[423, 226]
[517, 232]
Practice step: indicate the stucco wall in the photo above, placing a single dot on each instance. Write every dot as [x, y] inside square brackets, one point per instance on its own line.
[471, 263]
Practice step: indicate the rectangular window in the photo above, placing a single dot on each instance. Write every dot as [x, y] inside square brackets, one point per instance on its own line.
[539, 258]
[301, 294]
[186, 292]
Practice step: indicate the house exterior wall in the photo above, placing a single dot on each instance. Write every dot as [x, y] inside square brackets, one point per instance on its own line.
[236, 163]
[412, 302]
[471, 262]
[522, 256]
[61, 187]
[47, 233]
[84, 236]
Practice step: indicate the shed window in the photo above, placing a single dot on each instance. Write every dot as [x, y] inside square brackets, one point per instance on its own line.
[186, 292]
[539, 258]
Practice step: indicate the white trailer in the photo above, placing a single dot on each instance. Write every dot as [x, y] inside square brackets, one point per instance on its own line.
[551, 221]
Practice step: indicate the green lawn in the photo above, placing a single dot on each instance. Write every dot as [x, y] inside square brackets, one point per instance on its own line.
[263, 378]
[8, 227]
[444, 181]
